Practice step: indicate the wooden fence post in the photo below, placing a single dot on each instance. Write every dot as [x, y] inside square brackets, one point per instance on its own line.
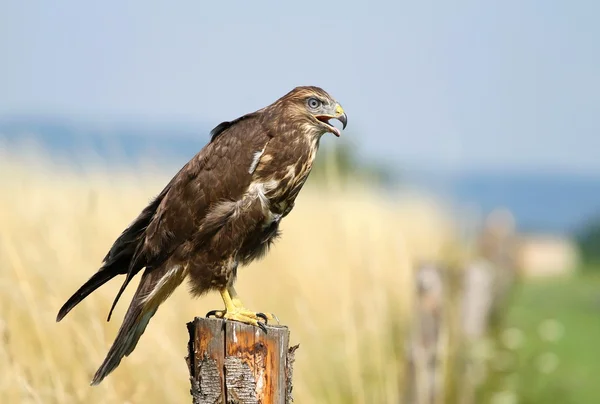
[455, 310]
[231, 362]
[425, 344]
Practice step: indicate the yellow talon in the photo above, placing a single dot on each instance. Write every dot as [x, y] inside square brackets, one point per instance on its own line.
[235, 300]
[235, 310]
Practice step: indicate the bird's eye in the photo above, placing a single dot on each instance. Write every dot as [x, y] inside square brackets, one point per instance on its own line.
[314, 103]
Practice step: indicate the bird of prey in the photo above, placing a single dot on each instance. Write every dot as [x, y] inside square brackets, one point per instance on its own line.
[220, 211]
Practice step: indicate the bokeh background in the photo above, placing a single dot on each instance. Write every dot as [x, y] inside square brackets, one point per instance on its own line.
[444, 250]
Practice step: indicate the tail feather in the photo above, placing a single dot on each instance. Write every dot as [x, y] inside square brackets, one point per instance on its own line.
[134, 325]
[126, 257]
[97, 280]
[116, 265]
[118, 261]
[154, 288]
[133, 267]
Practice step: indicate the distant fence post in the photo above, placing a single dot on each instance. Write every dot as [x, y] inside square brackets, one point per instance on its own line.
[456, 309]
[425, 373]
[232, 362]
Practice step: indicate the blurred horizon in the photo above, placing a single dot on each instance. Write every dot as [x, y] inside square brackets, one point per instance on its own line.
[542, 201]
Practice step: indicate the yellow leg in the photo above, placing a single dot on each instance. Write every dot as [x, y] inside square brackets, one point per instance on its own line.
[235, 300]
[229, 306]
[234, 310]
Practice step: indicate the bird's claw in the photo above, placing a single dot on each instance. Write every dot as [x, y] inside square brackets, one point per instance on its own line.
[268, 317]
[216, 313]
[243, 315]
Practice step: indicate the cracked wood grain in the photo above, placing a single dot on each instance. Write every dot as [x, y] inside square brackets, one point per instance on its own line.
[230, 362]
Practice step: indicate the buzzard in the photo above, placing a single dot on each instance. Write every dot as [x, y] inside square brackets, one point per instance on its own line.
[221, 210]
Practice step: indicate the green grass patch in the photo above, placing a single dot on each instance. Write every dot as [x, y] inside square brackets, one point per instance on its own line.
[549, 349]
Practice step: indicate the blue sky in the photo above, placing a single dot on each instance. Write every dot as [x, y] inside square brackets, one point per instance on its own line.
[461, 85]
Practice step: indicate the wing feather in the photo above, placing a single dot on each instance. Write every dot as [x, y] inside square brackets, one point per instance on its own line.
[219, 172]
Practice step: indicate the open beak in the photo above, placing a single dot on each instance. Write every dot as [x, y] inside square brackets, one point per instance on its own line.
[340, 115]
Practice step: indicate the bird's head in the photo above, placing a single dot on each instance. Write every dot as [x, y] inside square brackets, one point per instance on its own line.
[312, 108]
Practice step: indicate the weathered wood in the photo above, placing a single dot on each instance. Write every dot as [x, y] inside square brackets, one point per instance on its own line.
[488, 285]
[425, 377]
[456, 310]
[231, 362]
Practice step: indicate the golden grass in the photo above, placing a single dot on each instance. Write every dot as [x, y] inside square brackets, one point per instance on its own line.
[340, 278]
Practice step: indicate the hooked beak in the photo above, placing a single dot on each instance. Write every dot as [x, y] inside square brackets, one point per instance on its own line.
[340, 115]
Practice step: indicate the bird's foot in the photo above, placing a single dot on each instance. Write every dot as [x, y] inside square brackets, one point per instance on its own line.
[243, 315]
[235, 310]
[267, 316]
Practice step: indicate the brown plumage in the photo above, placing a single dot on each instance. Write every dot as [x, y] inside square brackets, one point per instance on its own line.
[222, 209]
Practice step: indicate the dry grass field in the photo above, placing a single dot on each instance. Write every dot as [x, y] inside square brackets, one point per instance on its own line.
[340, 278]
